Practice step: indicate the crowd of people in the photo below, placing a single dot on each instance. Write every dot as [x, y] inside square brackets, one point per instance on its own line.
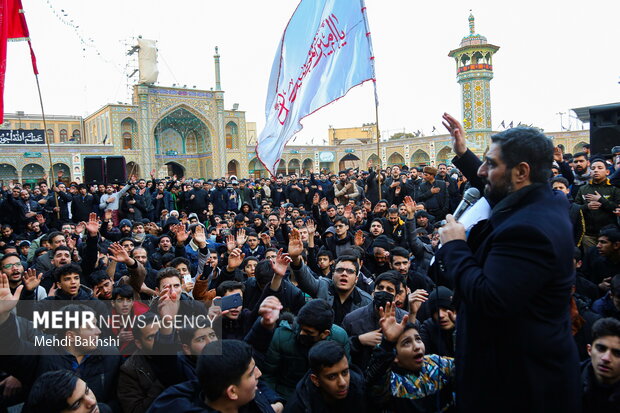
[325, 287]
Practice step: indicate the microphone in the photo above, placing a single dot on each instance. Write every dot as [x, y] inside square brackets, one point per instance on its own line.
[470, 197]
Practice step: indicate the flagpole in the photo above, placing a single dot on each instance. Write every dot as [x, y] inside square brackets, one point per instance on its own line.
[378, 149]
[49, 150]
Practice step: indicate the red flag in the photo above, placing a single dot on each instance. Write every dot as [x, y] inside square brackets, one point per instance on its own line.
[12, 27]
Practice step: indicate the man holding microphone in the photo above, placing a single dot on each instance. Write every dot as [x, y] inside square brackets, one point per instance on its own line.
[512, 277]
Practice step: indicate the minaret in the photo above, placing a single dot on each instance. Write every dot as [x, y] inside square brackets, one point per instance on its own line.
[474, 71]
[216, 58]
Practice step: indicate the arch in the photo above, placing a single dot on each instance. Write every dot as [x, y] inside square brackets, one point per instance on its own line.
[233, 167]
[76, 135]
[579, 147]
[191, 144]
[175, 168]
[373, 161]
[133, 169]
[349, 161]
[444, 155]
[8, 174]
[173, 128]
[232, 135]
[256, 168]
[307, 166]
[420, 158]
[63, 135]
[396, 159]
[129, 128]
[49, 135]
[294, 167]
[281, 168]
[32, 173]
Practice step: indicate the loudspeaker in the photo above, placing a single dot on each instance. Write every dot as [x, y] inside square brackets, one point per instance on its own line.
[604, 129]
[116, 172]
[94, 170]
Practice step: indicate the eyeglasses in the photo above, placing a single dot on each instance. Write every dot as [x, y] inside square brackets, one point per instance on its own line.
[349, 271]
[9, 266]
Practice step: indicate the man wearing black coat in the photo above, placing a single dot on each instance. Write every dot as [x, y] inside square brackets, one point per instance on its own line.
[83, 204]
[512, 276]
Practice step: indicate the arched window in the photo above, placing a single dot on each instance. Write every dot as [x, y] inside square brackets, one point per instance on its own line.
[63, 135]
[232, 136]
[127, 140]
[50, 135]
[76, 135]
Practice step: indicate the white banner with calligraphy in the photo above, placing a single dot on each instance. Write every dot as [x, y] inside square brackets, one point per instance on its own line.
[325, 51]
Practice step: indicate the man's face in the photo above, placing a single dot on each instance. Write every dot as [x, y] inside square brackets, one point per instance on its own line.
[165, 244]
[15, 192]
[340, 209]
[127, 245]
[61, 258]
[271, 255]
[559, 186]
[43, 188]
[606, 248]
[599, 171]
[427, 177]
[138, 229]
[497, 176]
[82, 400]
[422, 221]
[139, 254]
[334, 380]
[105, 289]
[248, 385]
[267, 209]
[182, 269]
[386, 286]
[24, 195]
[147, 337]
[331, 212]
[410, 350]
[67, 229]
[393, 218]
[442, 170]
[252, 241]
[381, 256]
[323, 262]
[57, 241]
[443, 317]
[13, 269]
[359, 215]
[122, 305]
[395, 172]
[173, 284]
[70, 284]
[401, 264]
[234, 313]
[605, 356]
[581, 164]
[376, 229]
[382, 207]
[249, 268]
[345, 276]
[402, 210]
[109, 189]
[202, 337]
[341, 229]
[342, 177]
[274, 221]
[295, 213]
[6, 232]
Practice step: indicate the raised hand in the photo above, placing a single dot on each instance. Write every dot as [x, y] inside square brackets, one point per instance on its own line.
[80, 228]
[92, 226]
[40, 218]
[181, 233]
[235, 258]
[348, 214]
[371, 339]
[266, 239]
[31, 279]
[459, 144]
[416, 299]
[295, 245]
[280, 264]
[119, 254]
[411, 207]
[70, 242]
[107, 214]
[241, 237]
[557, 154]
[311, 226]
[367, 205]
[359, 238]
[390, 328]
[324, 204]
[8, 300]
[230, 243]
[200, 237]
[269, 310]
[315, 199]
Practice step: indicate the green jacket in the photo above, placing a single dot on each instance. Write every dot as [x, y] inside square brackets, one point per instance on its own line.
[598, 218]
[287, 360]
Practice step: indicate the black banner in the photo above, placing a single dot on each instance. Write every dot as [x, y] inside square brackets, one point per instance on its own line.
[22, 136]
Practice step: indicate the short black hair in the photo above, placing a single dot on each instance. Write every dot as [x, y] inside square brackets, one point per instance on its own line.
[148, 319]
[263, 273]
[99, 276]
[398, 252]
[221, 364]
[50, 391]
[611, 232]
[580, 154]
[523, 144]
[71, 268]
[325, 353]
[61, 248]
[167, 273]
[123, 291]
[342, 220]
[54, 234]
[180, 260]
[325, 253]
[11, 254]
[559, 179]
[606, 327]
[317, 314]
[393, 277]
[227, 286]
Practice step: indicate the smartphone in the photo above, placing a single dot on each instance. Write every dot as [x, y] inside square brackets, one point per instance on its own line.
[187, 278]
[231, 301]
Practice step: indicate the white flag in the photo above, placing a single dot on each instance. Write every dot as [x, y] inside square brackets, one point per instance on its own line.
[325, 51]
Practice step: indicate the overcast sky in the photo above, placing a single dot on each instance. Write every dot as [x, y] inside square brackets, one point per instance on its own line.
[553, 56]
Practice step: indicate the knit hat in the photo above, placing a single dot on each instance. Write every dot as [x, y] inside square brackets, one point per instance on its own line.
[430, 170]
[125, 222]
[441, 297]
